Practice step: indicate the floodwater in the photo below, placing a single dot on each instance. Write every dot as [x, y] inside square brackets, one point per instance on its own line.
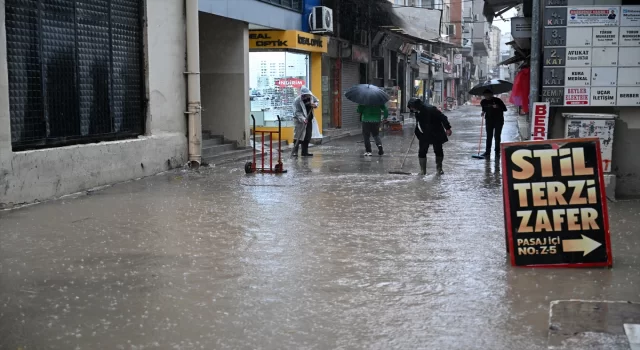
[335, 254]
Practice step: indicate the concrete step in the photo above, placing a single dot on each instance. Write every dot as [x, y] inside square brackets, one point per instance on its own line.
[215, 140]
[229, 156]
[217, 149]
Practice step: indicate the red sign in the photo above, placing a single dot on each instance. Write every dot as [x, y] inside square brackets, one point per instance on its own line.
[576, 96]
[555, 204]
[540, 121]
[290, 82]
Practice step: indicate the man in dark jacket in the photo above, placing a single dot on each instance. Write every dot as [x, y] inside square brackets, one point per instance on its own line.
[493, 112]
[432, 128]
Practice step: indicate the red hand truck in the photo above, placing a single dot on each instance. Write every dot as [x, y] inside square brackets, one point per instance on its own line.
[251, 167]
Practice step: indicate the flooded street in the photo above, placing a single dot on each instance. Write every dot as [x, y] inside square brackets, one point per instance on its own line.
[335, 254]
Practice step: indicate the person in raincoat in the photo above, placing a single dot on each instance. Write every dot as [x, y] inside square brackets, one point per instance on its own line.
[303, 121]
[432, 128]
[370, 118]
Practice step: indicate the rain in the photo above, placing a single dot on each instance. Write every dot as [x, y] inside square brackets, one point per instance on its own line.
[335, 254]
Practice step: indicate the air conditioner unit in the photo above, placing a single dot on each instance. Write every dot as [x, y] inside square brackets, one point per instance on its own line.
[321, 20]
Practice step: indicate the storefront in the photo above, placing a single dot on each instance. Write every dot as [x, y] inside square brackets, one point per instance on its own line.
[280, 64]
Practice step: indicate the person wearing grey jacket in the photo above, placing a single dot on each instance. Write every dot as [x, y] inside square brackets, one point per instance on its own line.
[303, 121]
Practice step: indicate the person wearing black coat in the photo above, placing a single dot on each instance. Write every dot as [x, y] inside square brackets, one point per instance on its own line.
[432, 128]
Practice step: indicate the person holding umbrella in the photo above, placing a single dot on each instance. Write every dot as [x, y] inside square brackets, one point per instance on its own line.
[371, 100]
[370, 117]
[303, 121]
[493, 112]
[432, 128]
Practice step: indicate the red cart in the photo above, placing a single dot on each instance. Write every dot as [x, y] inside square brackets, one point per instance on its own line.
[251, 167]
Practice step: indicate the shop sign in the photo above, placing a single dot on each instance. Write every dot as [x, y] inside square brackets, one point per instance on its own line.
[448, 67]
[629, 36]
[629, 76]
[576, 96]
[577, 77]
[607, 36]
[629, 96]
[359, 54]
[290, 82]
[555, 204]
[593, 16]
[603, 96]
[630, 16]
[579, 37]
[540, 121]
[457, 58]
[287, 39]
[629, 56]
[578, 57]
[604, 56]
[553, 95]
[603, 76]
[521, 27]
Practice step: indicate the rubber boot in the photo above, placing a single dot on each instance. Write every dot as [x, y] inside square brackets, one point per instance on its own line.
[305, 149]
[439, 165]
[423, 166]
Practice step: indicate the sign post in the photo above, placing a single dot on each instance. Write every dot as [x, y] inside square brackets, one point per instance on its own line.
[555, 204]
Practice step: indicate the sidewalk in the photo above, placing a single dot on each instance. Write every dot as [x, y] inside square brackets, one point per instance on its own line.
[336, 253]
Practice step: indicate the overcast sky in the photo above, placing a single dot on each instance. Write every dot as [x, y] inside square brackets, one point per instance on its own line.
[505, 26]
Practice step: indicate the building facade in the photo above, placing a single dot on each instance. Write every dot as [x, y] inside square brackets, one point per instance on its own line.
[94, 95]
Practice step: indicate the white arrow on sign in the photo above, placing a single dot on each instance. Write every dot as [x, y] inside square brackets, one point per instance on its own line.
[584, 244]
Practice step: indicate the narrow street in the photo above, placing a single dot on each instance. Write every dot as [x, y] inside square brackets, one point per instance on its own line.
[335, 254]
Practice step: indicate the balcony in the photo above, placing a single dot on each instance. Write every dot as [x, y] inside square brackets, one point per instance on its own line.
[481, 46]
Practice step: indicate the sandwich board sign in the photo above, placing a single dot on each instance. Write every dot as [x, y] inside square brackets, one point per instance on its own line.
[555, 204]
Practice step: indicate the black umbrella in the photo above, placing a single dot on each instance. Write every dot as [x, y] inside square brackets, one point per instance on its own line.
[496, 86]
[368, 95]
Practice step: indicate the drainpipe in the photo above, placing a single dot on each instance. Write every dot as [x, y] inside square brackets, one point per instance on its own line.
[534, 81]
[194, 106]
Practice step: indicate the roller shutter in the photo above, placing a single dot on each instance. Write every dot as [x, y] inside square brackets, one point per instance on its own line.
[350, 77]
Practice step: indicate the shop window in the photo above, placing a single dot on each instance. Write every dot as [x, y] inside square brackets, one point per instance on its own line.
[272, 93]
[76, 72]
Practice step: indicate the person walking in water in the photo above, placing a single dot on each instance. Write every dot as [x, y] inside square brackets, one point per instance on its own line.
[303, 121]
[370, 117]
[432, 128]
[493, 112]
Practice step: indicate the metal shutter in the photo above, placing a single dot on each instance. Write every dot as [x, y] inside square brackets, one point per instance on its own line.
[350, 77]
[75, 71]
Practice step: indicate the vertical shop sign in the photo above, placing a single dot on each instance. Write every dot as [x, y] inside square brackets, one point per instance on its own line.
[555, 204]
[539, 127]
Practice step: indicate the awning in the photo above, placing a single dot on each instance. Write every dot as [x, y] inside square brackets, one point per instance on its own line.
[512, 60]
[495, 8]
[416, 25]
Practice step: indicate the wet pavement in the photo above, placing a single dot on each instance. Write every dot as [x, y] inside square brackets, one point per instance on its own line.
[335, 254]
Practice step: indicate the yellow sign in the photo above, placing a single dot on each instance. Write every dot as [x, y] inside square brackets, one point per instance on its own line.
[287, 39]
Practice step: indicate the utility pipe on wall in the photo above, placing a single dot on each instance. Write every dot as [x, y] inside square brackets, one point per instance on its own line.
[194, 105]
[536, 38]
